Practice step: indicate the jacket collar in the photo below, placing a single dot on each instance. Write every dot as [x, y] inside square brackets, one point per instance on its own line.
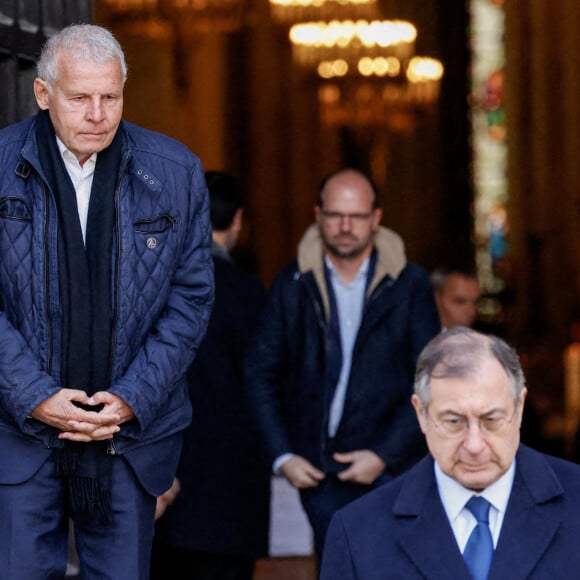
[531, 522]
[29, 152]
[391, 258]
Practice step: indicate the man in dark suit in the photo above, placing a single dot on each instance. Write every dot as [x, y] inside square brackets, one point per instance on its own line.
[331, 373]
[469, 399]
[218, 522]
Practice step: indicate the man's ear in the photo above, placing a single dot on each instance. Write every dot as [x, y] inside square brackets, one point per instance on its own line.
[41, 93]
[521, 401]
[317, 213]
[420, 412]
[377, 217]
[238, 220]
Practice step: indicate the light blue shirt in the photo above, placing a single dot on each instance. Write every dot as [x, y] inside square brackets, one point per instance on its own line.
[454, 497]
[350, 300]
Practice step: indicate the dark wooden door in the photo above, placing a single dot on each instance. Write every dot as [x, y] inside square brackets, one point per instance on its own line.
[24, 27]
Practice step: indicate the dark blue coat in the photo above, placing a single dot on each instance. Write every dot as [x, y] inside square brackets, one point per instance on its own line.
[224, 503]
[286, 369]
[400, 531]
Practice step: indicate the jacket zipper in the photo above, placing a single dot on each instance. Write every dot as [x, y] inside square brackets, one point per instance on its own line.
[317, 308]
[111, 447]
[50, 331]
[115, 282]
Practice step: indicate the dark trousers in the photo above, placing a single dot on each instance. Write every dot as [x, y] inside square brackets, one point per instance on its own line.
[171, 563]
[34, 529]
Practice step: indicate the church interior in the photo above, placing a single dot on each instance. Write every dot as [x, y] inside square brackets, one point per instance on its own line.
[476, 166]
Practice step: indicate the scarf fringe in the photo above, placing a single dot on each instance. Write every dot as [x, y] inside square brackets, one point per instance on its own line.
[88, 497]
[88, 491]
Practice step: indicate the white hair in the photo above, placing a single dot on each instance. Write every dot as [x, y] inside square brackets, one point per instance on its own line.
[81, 42]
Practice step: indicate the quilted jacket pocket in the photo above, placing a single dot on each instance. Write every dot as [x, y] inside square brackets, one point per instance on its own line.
[155, 225]
[15, 208]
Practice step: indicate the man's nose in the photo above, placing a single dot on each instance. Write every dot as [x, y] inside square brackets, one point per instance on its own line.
[474, 440]
[95, 110]
[345, 222]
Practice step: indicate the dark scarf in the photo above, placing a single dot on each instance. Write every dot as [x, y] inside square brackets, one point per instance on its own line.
[85, 295]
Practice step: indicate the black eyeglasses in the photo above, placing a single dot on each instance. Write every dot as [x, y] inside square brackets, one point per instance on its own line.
[457, 426]
[337, 217]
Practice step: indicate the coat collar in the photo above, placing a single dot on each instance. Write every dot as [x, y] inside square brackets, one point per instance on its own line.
[391, 258]
[532, 520]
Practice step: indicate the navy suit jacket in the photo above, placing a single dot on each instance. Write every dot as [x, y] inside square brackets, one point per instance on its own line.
[401, 531]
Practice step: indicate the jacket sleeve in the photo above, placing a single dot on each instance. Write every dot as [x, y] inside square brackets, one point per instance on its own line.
[266, 369]
[408, 446]
[23, 384]
[23, 381]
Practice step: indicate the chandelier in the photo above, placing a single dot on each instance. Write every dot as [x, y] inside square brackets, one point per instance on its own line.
[349, 40]
[178, 22]
[291, 11]
[163, 17]
[380, 95]
[369, 75]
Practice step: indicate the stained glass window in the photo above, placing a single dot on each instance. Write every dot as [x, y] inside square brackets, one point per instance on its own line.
[489, 151]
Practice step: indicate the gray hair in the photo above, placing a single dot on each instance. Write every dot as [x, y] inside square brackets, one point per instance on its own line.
[440, 275]
[81, 42]
[458, 353]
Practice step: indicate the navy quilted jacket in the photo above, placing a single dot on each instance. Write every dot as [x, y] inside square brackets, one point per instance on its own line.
[162, 284]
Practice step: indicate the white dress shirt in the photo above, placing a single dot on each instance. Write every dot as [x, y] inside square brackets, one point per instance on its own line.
[82, 180]
[454, 497]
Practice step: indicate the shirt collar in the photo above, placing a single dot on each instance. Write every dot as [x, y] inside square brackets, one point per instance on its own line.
[69, 156]
[454, 496]
[220, 251]
[362, 272]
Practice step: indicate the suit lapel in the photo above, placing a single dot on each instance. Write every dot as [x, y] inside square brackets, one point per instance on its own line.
[426, 536]
[532, 518]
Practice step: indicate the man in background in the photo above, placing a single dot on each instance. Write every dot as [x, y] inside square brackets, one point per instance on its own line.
[331, 372]
[218, 522]
[457, 295]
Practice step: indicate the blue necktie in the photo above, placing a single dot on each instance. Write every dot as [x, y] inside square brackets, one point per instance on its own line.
[479, 549]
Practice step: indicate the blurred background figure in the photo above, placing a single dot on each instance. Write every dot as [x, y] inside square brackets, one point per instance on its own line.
[457, 293]
[214, 523]
[330, 375]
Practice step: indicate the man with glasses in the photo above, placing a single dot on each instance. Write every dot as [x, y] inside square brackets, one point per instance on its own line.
[331, 373]
[469, 400]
